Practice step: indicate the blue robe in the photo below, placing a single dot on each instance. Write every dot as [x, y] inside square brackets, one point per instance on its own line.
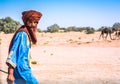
[19, 58]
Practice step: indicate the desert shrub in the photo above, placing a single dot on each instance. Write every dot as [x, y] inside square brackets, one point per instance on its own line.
[8, 25]
[90, 30]
[53, 28]
[79, 38]
[46, 43]
[34, 62]
[39, 30]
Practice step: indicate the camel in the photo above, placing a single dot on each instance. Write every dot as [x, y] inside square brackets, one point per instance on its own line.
[107, 31]
[117, 35]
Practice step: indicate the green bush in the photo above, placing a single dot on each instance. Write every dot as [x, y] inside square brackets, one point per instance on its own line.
[8, 25]
[90, 30]
[53, 28]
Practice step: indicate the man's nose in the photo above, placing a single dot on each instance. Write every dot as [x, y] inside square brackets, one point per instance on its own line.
[33, 24]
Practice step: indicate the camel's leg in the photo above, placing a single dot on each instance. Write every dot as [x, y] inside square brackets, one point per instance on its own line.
[110, 36]
[106, 36]
[103, 36]
[118, 36]
[100, 36]
[115, 35]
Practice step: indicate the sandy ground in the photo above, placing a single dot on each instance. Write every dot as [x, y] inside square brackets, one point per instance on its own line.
[70, 58]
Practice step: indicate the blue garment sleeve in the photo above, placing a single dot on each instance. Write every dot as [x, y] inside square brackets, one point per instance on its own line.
[19, 45]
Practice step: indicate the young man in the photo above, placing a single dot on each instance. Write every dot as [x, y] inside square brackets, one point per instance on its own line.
[19, 70]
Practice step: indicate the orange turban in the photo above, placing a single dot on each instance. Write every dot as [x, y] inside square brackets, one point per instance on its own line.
[31, 15]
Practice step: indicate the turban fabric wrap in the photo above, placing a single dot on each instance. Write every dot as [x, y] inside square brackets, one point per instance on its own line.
[31, 15]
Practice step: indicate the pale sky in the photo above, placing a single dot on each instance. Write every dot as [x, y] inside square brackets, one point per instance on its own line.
[65, 13]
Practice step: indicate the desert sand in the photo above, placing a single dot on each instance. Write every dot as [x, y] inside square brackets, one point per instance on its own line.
[70, 58]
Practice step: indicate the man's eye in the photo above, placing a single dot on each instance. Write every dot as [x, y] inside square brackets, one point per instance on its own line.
[36, 22]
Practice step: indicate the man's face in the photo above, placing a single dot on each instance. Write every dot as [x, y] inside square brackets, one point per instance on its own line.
[32, 27]
[32, 24]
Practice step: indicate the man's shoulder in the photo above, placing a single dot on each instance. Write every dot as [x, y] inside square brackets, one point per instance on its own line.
[21, 34]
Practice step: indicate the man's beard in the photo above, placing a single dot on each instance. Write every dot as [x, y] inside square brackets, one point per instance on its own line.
[32, 33]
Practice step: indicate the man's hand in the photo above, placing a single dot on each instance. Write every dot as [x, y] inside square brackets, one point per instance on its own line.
[10, 76]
